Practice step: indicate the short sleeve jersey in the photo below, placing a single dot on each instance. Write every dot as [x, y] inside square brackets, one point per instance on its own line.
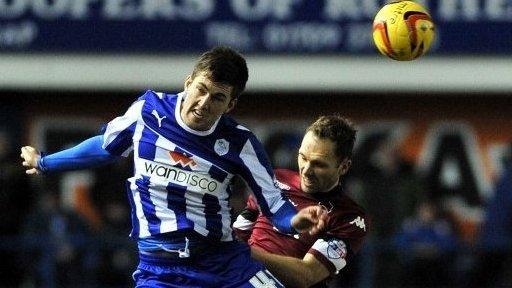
[182, 176]
[346, 227]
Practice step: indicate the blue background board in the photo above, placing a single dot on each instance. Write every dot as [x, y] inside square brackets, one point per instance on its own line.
[252, 26]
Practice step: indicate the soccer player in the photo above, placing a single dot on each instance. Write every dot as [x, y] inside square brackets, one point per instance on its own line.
[186, 154]
[304, 260]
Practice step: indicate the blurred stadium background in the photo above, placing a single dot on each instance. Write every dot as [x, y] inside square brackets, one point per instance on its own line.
[434, 134]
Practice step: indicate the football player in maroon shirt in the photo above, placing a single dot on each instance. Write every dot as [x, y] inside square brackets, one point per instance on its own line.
[305, 260]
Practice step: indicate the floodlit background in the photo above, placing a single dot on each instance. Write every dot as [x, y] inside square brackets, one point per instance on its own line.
[431, 161]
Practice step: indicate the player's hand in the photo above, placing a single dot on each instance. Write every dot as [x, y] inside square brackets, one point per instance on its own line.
[30, 158]
[310, 219]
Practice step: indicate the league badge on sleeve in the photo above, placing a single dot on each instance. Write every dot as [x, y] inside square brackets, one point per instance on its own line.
[221, 147]
[336, 249]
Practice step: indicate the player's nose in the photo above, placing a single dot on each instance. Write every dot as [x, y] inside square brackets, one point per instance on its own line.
[307, 170]
[204, 101]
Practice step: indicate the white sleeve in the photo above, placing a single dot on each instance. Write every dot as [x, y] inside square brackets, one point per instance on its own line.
[333, 250]
[117, 138]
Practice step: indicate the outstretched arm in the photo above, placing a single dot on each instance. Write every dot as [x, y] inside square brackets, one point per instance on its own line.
[87, 154]
[293, 272]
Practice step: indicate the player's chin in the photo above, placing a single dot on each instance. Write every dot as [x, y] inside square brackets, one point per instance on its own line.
[200, 122]
[309, 187]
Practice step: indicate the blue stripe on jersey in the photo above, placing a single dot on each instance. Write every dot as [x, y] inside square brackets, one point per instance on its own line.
[217, 173]
[258, 193]
[213, 219]
[147, 206]
[176, 201]
[122, 142]
[147, 147]
[135, 221]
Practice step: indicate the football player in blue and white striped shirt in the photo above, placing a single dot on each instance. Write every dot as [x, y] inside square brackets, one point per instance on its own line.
[186, 154]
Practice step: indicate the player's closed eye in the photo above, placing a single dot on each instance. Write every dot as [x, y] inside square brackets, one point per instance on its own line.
[218, 98]
[318, 164]
[201, 90]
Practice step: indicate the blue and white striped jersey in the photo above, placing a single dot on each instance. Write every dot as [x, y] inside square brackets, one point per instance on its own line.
[182, 176]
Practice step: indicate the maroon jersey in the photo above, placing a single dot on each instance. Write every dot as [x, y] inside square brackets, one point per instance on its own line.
[343, 235]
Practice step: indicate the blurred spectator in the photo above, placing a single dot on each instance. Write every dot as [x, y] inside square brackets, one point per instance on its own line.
[426, 245]
[390, 190]
[56, 246]
[117, 257]
[493, 266]
[16, 199]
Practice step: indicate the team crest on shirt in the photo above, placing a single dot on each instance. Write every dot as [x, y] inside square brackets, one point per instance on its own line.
[221, 147]
[336, 249]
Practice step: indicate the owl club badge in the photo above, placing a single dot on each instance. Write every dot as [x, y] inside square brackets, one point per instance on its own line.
[221, 147]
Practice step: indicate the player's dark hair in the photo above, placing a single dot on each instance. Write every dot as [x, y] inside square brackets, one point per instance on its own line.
[338, 129]
[224, 65]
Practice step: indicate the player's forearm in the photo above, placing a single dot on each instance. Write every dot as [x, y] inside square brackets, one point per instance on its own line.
[87, 154]
[292, 272]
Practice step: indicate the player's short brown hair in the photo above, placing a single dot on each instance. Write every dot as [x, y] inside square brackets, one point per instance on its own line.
[338, 129]
[224, 65]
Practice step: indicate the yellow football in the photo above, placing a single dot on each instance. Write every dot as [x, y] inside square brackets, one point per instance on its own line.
[403, 30]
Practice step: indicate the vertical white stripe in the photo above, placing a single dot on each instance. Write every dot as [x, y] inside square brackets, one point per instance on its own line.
[119, 124]
[162, 212]
[159, 198]
[143, 222]
[195, 211]
[271, 194]
[201, 230]
[227, 234]
[163, 146]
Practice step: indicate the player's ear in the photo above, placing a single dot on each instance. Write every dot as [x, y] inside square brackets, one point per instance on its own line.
[231, 105]
[344, 166]
[188, 81]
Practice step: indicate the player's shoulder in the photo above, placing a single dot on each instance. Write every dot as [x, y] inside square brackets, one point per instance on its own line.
[230, 122]
[348, 212]
[348, 204]
[287, 179]
[231, 129]
[285, 174]
[151, 95]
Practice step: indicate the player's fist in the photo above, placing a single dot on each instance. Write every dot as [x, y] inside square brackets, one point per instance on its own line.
[30, 158]
[310, 219]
